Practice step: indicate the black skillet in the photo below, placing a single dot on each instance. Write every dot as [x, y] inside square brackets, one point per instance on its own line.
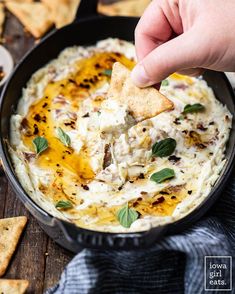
[88, 29]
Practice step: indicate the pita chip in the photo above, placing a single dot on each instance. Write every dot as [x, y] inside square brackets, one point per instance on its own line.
[142, 103]
[13, 286]
[18, 1]
[2, 18]
[124, 8]
[34, 16]
[10, 232]
[63, 11]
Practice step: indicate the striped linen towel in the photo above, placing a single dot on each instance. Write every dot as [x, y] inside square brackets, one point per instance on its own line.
[174, 265]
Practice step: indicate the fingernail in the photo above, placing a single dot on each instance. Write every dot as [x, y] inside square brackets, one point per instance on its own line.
[139, 76]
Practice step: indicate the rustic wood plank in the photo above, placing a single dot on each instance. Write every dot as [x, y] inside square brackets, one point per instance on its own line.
[16, 40]
[56, 260]
[29, 259]
[3, 191]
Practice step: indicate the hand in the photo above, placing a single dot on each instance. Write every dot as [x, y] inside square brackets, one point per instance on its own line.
[185, 36]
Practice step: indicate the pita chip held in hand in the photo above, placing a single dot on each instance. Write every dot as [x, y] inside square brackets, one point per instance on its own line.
[10, 232]
[142, 103]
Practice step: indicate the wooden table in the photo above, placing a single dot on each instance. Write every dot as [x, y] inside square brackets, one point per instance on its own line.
[37, 258]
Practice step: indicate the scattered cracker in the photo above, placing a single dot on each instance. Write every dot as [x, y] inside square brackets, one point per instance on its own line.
[18, 1]
[34, 16]
[10, 232]
[63, 12]
[13, 286]
[2, 18]
[143, 103]
[124, 8]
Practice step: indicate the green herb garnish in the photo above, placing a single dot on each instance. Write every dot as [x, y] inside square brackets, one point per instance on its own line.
[190, 108]
[40, 144]
[164, 147]
[162, 175]
[107, 72]
[64, 138]
[64, 204]
[165, 83]
[126, 216]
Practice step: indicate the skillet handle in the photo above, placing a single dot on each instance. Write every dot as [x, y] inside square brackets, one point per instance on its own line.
[79, 237]
[86, 9]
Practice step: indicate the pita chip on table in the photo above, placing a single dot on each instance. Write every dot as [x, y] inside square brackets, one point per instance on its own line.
[13, 286]
[124, 8]
[142, 103]
[63, 12]
[10, 232]
[18, 1]
[34, 16]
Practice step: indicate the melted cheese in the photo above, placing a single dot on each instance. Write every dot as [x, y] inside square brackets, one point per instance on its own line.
[70, 93]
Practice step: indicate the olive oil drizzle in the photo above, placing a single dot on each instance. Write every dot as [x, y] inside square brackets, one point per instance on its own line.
[65, 164]
[72, 170]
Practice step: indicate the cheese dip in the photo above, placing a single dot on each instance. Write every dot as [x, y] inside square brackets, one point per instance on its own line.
[83, 158]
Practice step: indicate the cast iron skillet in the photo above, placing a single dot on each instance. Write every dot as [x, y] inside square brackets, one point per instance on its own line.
[89, 30]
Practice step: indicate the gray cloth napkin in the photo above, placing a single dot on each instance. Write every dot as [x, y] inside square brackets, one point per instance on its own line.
[174, 265]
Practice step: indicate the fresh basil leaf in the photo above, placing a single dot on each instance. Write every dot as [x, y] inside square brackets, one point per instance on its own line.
[107, 72]
[64, 204]
[40, 144]
[64, 138]
[164, 147]
[162, 175]
[126, 216]
[190, 108]
[165, 83]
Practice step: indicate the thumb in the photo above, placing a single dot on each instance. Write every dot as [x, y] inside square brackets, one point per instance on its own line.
[177, 54]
